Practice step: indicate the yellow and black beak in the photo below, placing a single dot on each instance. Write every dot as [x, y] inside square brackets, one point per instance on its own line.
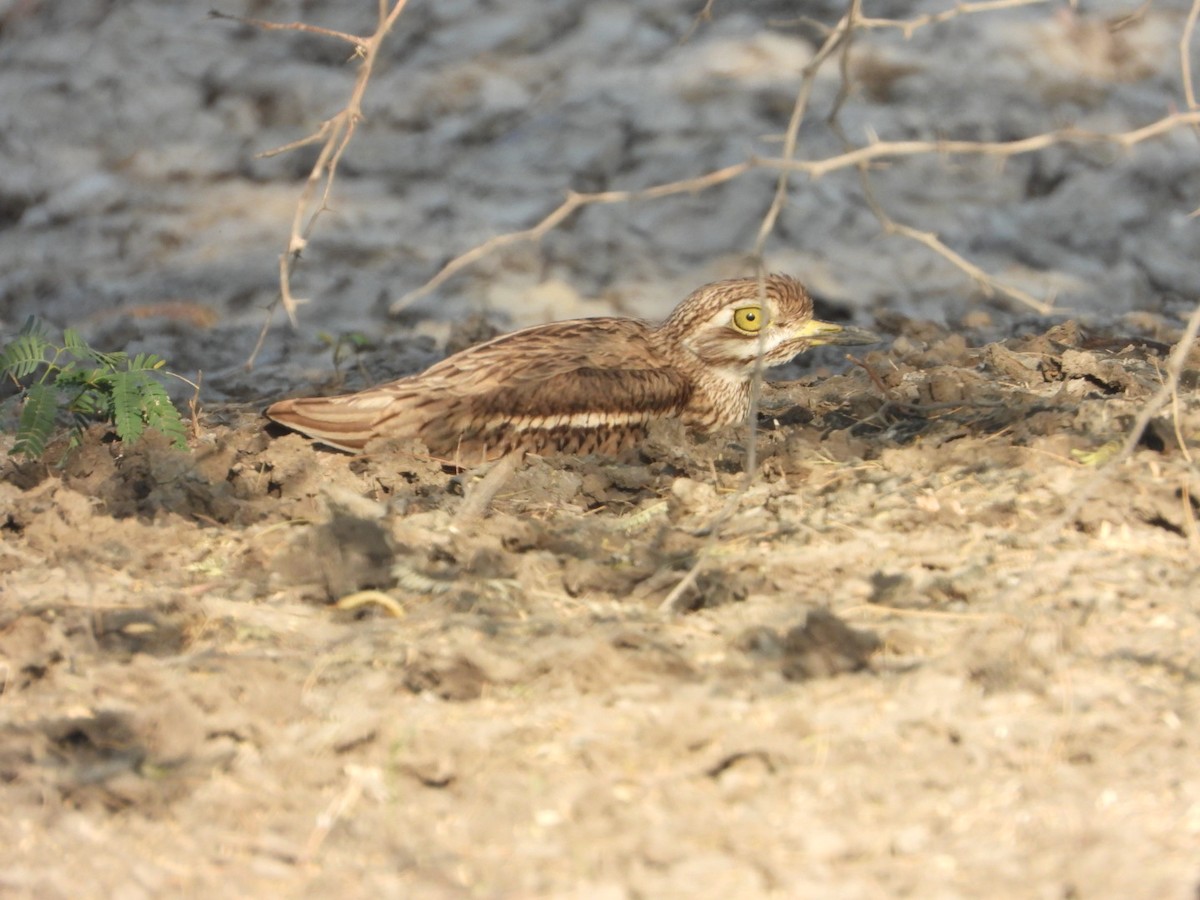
[817, 332]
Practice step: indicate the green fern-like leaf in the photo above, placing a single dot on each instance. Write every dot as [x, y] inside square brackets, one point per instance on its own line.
[146, 362]
[37, 420]
[126, 407]
[35, 326]
[161, 413]
[98, 379]
[89, 385]
[105, 360]
[87, 402]
[24, 354]
[73, 342]
[79, 423]
[74, 378]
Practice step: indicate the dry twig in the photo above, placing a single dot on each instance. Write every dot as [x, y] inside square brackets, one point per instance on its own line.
[909, 26]
[560, 214]
[1185, 64]
[289, 26]
[874, 151]
[842, 32]
[704, 16]
[334, 134]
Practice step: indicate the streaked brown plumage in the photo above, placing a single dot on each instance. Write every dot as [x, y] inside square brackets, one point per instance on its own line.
[585, 385]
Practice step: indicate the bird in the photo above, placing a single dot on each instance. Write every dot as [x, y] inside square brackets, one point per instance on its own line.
[583, 386]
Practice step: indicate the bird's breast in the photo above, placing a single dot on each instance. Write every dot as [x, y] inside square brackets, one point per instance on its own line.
[717, 403]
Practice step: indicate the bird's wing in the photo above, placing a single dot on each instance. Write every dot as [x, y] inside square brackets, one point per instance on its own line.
[592, 375]
[562, 408]
[544, 351]
[595, 374]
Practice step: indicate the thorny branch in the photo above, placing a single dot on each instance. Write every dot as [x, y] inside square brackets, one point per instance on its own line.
[875, 151]
[840, 37]
[559, 214]
[841, 34]
[335, 133]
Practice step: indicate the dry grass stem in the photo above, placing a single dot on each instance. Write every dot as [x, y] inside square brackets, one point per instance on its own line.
[1189, 514]
[360, 780]
[673, 603]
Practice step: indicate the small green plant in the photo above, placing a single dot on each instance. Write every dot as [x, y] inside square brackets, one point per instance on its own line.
[345, 344]
[86, 385]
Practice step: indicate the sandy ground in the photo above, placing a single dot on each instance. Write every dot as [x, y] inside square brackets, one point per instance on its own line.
[940, 646]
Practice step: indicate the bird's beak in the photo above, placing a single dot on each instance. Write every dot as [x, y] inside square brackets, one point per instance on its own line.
[817, 332]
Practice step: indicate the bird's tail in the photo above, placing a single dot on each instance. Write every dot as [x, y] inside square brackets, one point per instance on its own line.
[345, 422]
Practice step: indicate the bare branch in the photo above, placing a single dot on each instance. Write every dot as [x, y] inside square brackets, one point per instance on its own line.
[289, 26]
[909, 26]
[336, 134]
[875, 151]
[705, 15]
[987, 284]
[1185, 64]
[878, 150]
[840, 33]
[573, 202]
[314, 138]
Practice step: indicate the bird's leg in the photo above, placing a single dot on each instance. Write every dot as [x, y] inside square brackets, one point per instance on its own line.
[478, 496]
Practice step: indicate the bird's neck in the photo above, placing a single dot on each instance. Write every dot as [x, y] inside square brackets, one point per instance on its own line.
[725, 401]
[720, 394]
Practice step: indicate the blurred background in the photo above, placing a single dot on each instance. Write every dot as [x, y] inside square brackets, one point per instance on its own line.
[133, 204]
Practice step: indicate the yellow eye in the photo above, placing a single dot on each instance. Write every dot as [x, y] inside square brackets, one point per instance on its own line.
[749, 319]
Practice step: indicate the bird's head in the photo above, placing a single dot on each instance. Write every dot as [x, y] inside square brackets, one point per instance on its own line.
[729, 325]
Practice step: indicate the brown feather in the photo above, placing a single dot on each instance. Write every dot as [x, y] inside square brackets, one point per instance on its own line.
[579, 386]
